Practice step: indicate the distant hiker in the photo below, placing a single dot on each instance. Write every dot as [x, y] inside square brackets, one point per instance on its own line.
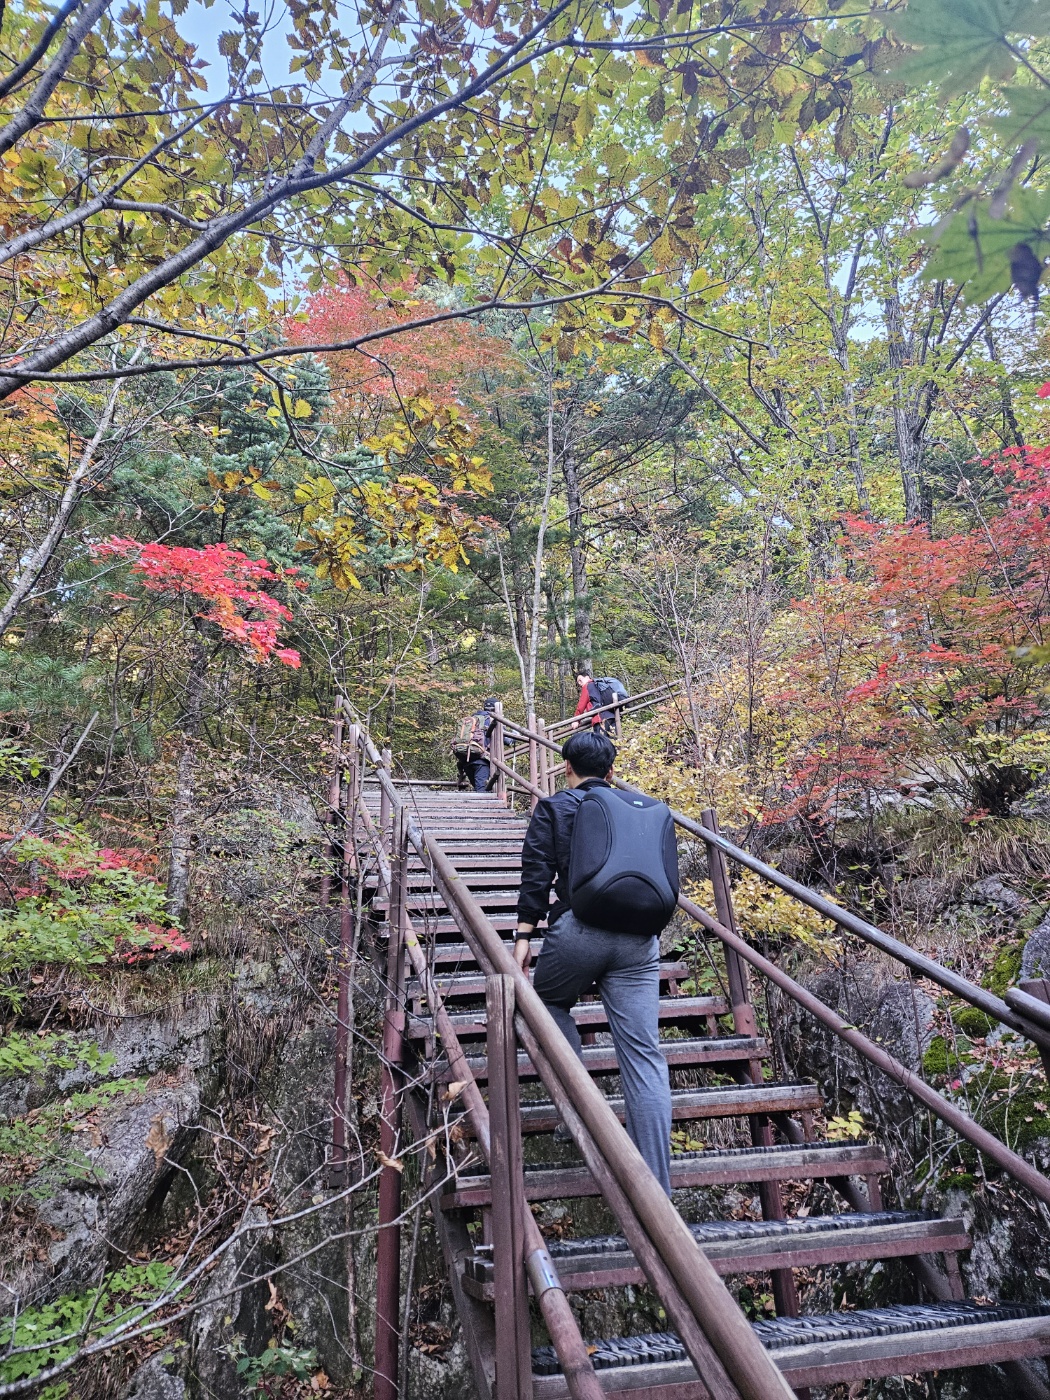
[613, 861]
[470, 747]
[606, 690]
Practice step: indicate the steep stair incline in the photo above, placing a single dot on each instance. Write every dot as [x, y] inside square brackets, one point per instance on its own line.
[735, 1125]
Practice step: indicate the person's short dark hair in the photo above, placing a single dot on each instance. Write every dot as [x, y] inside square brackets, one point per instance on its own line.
[590, 751]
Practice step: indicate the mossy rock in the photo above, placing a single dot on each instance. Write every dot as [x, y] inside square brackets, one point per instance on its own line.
[973, 1022]
[940, 1059]
[1020, 1116]
[956, 1180]
[1006, 969]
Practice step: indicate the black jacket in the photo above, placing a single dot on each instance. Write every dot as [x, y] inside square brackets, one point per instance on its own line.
[545, 854]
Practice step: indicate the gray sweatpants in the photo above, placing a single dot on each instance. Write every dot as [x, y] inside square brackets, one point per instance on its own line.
[626, 968]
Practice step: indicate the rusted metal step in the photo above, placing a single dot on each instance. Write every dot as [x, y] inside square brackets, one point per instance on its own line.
[716, 1101]
[444, 925]
[742, 1246]
[724, 1166]
[824, 1349]
[461, 985]
[679, 1054]
[498, 899]
[501, 881]
[469, 1025]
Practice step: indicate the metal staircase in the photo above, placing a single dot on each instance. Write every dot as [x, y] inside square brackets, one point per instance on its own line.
[467, 1037]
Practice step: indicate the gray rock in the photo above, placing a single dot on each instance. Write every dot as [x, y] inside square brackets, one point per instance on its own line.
[892, 1013]
[94, 1206]
[995, 892]
[232, 1308]
[141, 1047]
[924, 896]
[1035, 959]
[153, 1382]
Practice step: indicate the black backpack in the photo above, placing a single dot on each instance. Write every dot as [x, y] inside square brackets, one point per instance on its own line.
[623, 862]
[616, 690]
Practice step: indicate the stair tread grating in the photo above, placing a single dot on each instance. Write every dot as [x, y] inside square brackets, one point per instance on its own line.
[474, 1169]
[779, 1332]
[718, 1230]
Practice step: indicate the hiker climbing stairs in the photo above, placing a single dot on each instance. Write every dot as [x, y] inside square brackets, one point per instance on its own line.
[441, 871]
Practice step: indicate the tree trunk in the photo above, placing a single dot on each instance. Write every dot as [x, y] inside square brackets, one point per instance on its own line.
[178, 891]
[909, 425]
[75, 488]
[578, 559]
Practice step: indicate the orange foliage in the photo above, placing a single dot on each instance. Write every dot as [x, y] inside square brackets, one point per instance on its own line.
[436, 360]
[925, 662]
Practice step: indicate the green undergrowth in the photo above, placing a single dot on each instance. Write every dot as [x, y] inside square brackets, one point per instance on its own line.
[973, 1022]
[937, 841]
[1005, 969]
[58, 1330]
[42, 1151]
[1019, 1114]
[940, 1059]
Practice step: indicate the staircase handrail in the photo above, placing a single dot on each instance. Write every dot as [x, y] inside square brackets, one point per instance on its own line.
[1027, 1015]
[649, 697]
[734, 1363]
[954, 982]
[986, 1142]
[515, 778]
[558, 1315]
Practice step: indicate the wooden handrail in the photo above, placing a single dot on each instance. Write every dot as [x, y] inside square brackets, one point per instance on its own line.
[753, 1372]
[515, 778]
[554, 1305]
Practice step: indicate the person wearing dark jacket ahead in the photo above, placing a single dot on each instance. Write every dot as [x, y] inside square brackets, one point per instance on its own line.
[624, 966]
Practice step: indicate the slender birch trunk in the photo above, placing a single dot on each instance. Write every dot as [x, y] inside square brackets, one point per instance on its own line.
[178, 891]
[75, 488]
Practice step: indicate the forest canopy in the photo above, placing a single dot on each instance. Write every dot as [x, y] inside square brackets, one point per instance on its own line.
[428, 350]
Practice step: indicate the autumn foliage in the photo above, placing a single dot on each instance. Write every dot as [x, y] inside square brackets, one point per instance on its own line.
[222, 578]
[434, 360]
[918, 667]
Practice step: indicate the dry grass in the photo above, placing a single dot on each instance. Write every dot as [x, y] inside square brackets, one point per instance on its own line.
[939, 844]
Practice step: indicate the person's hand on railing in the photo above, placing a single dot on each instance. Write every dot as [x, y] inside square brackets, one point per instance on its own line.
[523, 946]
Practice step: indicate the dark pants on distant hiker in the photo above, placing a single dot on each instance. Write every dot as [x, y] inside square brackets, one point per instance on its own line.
[474, 772]
[626, 969]
[480, 771]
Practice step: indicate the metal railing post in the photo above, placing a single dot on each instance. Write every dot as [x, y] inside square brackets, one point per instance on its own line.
[384, 802]
[534, 767]
[543, 759]
[1039, 988]
[736, 969]
[513, 1343]
[388, 1243]
[345, 809]
[785, 1294]
[496, 747]
[332, 816]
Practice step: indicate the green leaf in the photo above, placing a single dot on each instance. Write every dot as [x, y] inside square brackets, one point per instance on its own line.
[974, 249]
[962, 41]
[1029, 117]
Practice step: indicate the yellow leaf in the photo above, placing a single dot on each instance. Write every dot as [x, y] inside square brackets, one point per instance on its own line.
[302, 409]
